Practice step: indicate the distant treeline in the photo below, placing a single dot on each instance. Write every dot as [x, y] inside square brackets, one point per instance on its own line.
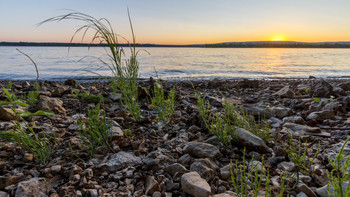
[54, 44]
[278, 45]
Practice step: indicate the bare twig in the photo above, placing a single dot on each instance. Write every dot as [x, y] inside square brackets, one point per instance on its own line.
[36, 67]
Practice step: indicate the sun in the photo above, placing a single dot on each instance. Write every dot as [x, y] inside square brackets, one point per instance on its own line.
[278, 38]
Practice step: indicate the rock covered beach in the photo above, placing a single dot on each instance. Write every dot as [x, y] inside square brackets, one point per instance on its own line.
[180, 157]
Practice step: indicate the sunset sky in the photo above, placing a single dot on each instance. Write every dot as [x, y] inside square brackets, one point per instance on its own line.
[183, 21]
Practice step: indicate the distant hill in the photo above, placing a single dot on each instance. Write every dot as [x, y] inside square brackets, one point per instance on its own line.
[280, 44]
[57, 44]
[251, 44]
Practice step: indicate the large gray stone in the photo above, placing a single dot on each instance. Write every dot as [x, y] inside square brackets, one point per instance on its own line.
[201, 150]
[193, 184]
[33, 187]
[323, 191]
[321, 88]
[249, 140]
[121, 160]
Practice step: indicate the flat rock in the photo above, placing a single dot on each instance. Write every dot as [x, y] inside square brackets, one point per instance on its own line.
[32, 187]
[251, 141]
[286, 166]
[201, 150]
[298, 130]
[321, 115]
[121, 160]
[193, 184]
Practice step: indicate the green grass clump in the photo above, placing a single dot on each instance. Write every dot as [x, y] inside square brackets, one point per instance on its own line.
[95, 131]
[124, 68]
[164, 106]
[241, 119]
[248, 177]
[297, 155]
[223, 125]
[340, 174]
[12, 99]
[33, 96]
[215, 123]
[41, 148]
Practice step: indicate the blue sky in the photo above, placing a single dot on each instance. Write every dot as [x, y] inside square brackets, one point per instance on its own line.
[183, 21]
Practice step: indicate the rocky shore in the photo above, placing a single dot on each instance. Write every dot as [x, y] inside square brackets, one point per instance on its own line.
[180, 157]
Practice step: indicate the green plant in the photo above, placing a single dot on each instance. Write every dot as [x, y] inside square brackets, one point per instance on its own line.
[317, 100]
[42, 148]
[9, 85]
[297, 154]
[240, 118]
[12, 99]
[95, 131]
[164, 106]
[245, 176]
[340, 173]
[33, 96]
[124, 69]
[215, 123]
[127, 132]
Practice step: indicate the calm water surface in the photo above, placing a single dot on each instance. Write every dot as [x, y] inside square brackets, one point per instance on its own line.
[56, 63]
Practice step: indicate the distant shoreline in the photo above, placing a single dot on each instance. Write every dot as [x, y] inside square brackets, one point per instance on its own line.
[258, 44]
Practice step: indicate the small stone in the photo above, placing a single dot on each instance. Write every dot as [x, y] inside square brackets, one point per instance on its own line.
[285, 92]
[151, 185]
[28, 157]
[301, 187]
[91, 193]
[226, 194]
[156, 194]
[175, 168]
[8, 114]
[225, 172]
[301, 194]
[193, 184]
[206, 168]
[202, 150]
[56, 169]
[281, 112]
[286, 166]
[121, 160]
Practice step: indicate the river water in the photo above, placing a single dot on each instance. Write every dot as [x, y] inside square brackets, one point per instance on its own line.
[57, 63]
